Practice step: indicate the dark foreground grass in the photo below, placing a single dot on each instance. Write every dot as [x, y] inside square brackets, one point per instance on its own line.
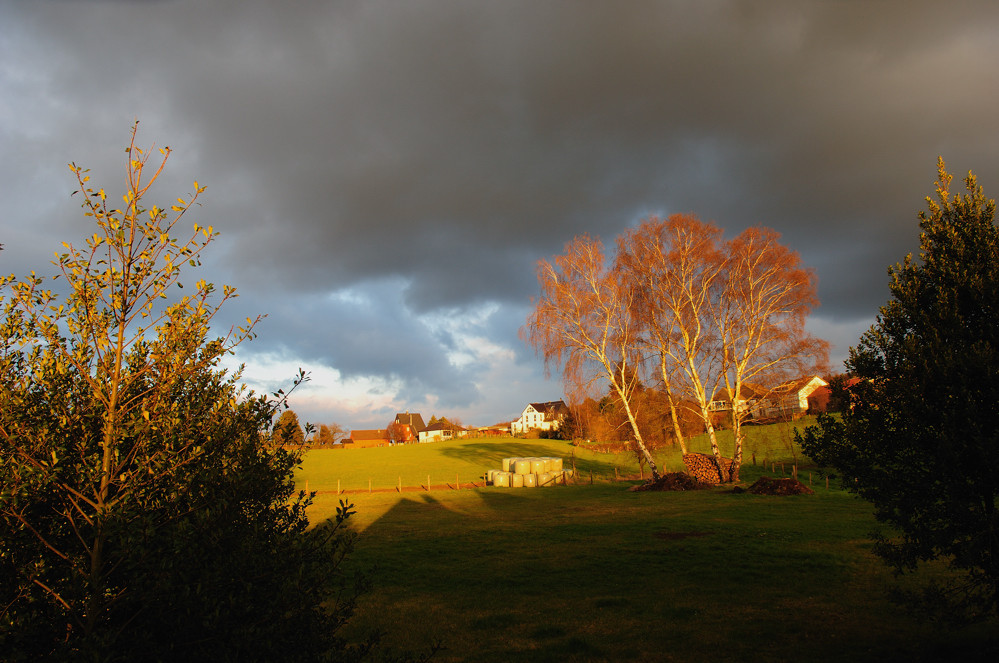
[594, 572]
[583, 573]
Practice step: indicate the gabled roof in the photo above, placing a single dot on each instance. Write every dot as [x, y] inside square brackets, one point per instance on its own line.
[747, 392]
[414, 420]
[795, 386]
[440, 426]
[376, 434]
[551, 409]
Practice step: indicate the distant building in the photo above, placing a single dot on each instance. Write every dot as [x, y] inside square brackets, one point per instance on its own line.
[360, 439]
[540, 416]
[406, 428]
[788, 400]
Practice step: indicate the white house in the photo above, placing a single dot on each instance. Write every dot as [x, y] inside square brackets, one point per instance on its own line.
[440, 431]
[540, 416]
[791, 398]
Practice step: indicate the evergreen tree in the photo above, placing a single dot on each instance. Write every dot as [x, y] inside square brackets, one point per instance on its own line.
[920, 437]
[288, 431]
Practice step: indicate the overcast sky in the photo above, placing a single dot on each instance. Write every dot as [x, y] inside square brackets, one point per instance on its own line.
[385, 175]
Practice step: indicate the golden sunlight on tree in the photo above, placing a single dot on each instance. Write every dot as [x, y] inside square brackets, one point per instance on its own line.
[677, 264]
[684, 312]
[144, 514]
[760, 316]
[582, 325]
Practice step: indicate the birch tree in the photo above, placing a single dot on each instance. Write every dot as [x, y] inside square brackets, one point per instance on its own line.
[760, 315]
[677, 266]
[582, 324]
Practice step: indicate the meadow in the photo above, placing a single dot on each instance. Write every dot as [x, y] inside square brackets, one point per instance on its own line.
[591, 571]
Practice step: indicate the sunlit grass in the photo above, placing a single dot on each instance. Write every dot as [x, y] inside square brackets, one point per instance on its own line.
[468, 459]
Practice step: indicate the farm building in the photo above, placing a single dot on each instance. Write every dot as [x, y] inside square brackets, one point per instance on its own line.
[361, 439]
[406, 428]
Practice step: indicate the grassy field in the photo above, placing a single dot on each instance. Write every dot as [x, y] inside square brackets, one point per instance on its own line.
[594, 572]
[466, 460]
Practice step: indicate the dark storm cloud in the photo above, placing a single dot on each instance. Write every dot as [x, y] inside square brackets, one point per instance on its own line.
[364, 334]
[446, 146]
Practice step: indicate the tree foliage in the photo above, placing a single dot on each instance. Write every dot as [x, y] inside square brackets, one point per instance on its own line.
[328, 435]
[143, 516]
[582, 324]
[765, 298]
[683, 310]
[288, 430]
[919, 438]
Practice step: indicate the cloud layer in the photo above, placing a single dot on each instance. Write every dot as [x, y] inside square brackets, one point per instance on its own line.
[386, 175]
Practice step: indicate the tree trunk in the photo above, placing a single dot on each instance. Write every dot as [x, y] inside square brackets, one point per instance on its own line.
[677, 431]
[638, 434]
[723, 475]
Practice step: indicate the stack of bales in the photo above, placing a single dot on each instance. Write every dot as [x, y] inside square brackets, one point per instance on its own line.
[529, 472]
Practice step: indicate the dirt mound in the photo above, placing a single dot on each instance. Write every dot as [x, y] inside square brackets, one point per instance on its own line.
[672, 481]
[771, 486]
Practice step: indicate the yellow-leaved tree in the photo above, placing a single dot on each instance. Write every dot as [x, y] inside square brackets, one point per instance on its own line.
[144, 513]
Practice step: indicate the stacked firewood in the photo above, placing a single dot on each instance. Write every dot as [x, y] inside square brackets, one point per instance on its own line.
[704, 468]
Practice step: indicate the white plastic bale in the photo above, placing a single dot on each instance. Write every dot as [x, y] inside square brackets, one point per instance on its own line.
[516, 480]
[530, 480]
[522, 466]
[537, 466]
[502, 479]
[545, 479]
[508, 464]
[556, 465]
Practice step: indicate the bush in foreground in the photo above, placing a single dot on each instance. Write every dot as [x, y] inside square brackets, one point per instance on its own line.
[144, 512]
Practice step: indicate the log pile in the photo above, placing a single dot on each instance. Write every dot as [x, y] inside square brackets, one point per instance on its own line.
[672, 481]
[703, 468]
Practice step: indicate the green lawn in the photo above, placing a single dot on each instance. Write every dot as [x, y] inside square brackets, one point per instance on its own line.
[594, 572]
[466, 460]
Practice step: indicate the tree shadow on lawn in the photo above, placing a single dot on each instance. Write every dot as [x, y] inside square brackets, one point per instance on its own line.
[442, 555]
[491, 455]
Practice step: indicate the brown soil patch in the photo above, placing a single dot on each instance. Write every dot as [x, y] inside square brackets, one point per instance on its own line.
[672, 481]
[771, 486]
